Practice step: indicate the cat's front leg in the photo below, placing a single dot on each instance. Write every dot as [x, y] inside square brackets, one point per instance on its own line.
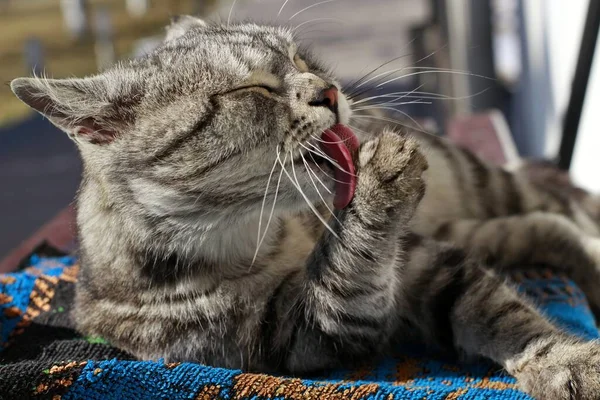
[348, 302]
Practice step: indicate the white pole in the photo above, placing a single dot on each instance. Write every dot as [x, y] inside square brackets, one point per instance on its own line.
[34, 56]
[105, 50]
[137, 8]
[75, 17]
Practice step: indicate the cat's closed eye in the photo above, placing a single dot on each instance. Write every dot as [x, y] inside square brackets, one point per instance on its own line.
[300, 63]
[264, 89]
[260, 81]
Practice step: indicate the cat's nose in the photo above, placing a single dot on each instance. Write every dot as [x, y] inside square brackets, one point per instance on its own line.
[327, 98]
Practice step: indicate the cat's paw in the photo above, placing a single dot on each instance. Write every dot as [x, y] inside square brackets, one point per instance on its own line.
[390, 169]
[567, 372]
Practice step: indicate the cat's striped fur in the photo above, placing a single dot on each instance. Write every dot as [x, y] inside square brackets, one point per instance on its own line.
[178, 147]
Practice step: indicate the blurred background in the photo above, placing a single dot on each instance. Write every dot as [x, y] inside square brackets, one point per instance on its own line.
[461, 57]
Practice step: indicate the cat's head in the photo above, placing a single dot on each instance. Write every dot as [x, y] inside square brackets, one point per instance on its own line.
[195, 127]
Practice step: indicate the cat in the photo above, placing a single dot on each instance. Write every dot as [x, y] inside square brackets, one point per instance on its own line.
[194, 246]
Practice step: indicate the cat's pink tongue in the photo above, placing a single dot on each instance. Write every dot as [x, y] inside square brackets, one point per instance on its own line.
[339, 143]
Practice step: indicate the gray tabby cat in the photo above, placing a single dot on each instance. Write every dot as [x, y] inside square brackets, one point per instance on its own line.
[178, 147]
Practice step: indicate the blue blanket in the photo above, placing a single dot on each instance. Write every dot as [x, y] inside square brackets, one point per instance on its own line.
[41, 356]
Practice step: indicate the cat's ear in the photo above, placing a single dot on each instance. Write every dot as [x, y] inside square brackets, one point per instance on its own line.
[182, 24]
[80, 107]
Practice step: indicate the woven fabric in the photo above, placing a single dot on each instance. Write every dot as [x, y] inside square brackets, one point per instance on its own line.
[42, 356]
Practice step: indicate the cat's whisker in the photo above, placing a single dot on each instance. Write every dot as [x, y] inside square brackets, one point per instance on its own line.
[231, 12]
[381, 118]
[406, 67]
[416, 95]
[372, 98]
[264, 234]
[391, 106]
[394, 121]
[305, 33]
[334, 163]
[359, 93]
[310, 173]
[361, 79]
[433, 71]
[320, 153]
[432, 96]
[317, 151]
[310, 204]
[377, 79]
[349, 87]
[317, 19]
[387, 73]
[300, 34]
[391, 97]
[309, 7]
[281, 9]
[315, 175]
[328, 141]
[310, 153]
[449, 69]
[262, 209]
[395, 102]
[407, 116]
[387, 95]
[352, 86]
[358, 129]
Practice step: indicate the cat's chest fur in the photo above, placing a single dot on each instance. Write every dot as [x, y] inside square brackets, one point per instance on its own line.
[152, 299]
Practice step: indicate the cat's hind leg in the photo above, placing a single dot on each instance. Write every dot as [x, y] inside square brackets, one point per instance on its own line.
[455, 302]
[535, 239]
[462, 186]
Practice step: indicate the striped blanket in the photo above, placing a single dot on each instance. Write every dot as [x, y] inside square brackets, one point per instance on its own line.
[42, 356]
